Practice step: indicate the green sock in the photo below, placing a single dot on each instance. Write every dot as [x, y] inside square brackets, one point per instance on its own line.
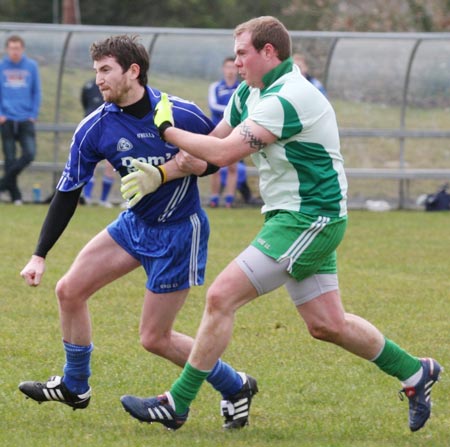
[396, 362]
[186, 387]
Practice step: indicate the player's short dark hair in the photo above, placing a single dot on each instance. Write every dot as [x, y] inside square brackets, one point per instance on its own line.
[228, 59]
[126, 50]
[267, 29]
[15, 38]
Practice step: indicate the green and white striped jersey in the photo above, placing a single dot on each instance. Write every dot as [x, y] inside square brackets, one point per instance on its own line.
[303, 170]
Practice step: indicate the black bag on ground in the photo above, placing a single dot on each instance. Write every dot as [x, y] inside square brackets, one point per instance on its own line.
[439, 201]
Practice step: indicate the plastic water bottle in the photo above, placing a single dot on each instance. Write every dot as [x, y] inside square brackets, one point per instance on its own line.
[37, 193]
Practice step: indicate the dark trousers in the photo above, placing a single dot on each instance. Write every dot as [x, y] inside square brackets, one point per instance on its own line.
[24, 133]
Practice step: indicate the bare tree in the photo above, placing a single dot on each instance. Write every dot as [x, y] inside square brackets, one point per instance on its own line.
[71, 12]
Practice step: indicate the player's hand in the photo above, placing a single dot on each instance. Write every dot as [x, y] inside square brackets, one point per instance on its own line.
[163, 115]
[33, 271]
[189, 164]
[145, 180]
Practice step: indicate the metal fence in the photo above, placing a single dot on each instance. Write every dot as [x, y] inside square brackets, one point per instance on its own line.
[391, 93]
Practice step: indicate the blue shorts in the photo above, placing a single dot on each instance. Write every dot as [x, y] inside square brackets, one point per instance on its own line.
[173, 255]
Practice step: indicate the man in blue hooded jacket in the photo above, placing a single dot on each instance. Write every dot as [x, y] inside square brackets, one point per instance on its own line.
[20, 100]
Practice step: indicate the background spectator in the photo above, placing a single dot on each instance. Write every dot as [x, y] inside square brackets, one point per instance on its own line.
[91, 99]
[242, 184]
[20, 101]
[219, 94]
[300, 60]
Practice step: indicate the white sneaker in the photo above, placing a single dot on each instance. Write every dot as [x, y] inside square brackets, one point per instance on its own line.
[105, 204]
[18, 202]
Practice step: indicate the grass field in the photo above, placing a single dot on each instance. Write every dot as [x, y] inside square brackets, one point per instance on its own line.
[393, 270]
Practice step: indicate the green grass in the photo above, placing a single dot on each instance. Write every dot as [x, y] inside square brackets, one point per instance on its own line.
[393, 270]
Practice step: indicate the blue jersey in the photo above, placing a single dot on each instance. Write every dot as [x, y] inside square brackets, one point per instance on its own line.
[109, 133]
[219, 94]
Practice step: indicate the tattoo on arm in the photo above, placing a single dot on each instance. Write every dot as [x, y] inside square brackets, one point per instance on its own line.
[255, 143]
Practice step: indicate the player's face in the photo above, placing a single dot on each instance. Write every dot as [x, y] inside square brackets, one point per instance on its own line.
[230, 72]
[15, 51]
[250, 63]
[114, 84]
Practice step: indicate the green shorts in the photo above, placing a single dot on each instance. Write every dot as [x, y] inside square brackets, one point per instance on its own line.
[308, 242]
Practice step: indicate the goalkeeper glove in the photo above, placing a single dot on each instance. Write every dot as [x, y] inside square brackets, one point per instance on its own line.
[145, 180]
[163, 117]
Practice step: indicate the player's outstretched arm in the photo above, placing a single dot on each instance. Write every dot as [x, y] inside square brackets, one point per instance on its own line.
[222, 147]
[59, 213]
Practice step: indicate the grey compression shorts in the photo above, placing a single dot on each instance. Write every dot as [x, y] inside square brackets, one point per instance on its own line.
[266, 274]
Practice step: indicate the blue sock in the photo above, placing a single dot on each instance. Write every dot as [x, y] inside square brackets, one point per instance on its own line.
[107, 183]
[77, 368]
[225, 379]
[214, 201]
[88, 187]
[229, 200]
